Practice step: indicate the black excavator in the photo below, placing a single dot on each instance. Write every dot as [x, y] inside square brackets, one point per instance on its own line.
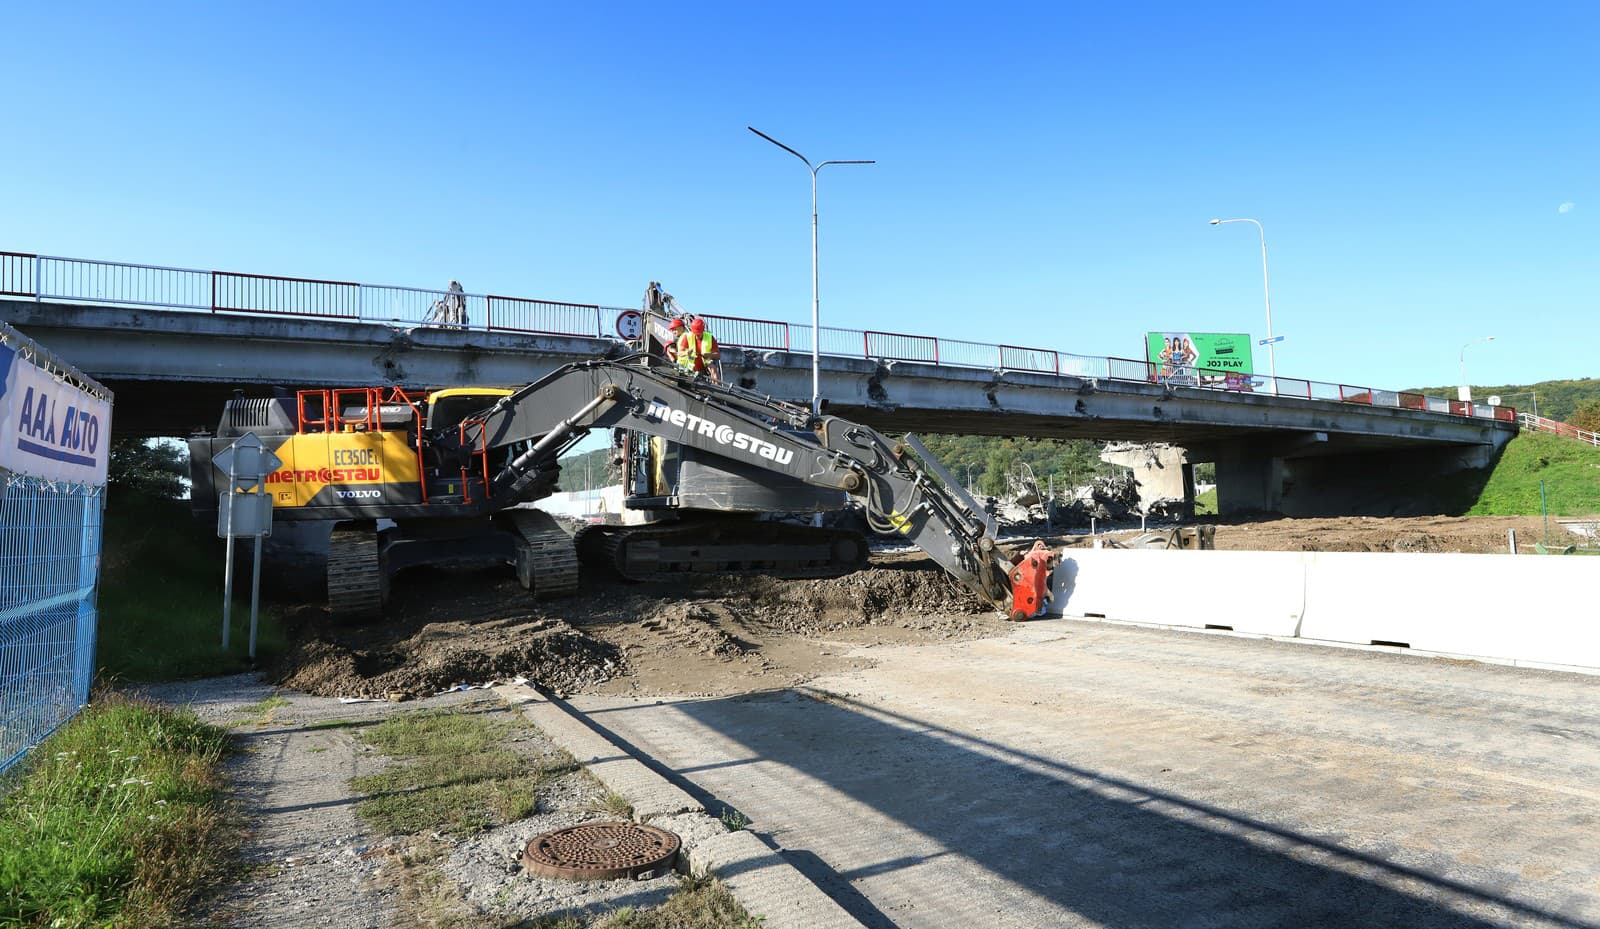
[453, 474]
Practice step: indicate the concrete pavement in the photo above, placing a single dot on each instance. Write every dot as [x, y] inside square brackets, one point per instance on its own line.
[1075, 774]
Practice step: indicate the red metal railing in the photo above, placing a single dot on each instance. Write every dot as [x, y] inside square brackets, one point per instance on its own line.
[232, 292]
[16, 274]
[545, 317]
[744, 332]
[898, 346]
[1018, 358]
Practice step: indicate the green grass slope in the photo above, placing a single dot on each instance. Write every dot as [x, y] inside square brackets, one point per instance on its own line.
[161, 596]
[1569, 469]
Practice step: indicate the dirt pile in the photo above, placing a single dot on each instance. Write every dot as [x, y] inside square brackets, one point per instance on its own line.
[446, 629]
[1471, 534]
[398, 660]
[878, 595]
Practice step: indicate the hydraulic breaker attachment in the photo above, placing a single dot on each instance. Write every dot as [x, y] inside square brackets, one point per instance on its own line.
[1032, 582]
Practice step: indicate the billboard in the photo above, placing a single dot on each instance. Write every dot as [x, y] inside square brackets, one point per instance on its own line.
[1201, 359]
[50, 428]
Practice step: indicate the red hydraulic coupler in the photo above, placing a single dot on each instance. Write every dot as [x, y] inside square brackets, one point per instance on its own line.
[1031, 582]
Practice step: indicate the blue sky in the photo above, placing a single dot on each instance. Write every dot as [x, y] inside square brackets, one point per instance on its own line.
[1044, 176]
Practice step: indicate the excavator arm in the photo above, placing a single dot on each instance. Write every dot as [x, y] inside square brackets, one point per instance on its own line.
[900, 495]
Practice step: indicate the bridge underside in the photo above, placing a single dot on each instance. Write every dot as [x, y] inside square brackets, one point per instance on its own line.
[172, 371]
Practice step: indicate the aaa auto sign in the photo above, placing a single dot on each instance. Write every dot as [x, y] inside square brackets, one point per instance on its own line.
[48, 427]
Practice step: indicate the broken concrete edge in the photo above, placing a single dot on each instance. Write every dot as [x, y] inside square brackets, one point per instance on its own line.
[764, 883]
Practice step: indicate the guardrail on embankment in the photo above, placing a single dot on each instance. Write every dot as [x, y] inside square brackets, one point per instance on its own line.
[84, 280]
[1541, 424]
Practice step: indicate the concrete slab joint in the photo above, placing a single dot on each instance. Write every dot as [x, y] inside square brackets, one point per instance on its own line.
[767, 885]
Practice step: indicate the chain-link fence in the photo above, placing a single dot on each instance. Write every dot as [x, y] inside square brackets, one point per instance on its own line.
[49, 561]
[54, 438]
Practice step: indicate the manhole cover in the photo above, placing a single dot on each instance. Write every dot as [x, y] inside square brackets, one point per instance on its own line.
[600, 851]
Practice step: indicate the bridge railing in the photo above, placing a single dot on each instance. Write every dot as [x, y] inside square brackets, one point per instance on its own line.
[80, 280]
[1542, 424]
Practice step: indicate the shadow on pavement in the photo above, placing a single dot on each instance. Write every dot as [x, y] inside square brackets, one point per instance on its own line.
[1113, 852]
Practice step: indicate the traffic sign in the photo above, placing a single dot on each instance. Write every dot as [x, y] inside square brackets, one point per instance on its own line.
[246, 462]
[1276, 338]
[630, 325]
[244, 516]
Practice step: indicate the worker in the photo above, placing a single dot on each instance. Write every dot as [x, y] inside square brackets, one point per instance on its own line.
[698, 351]
[674, 333]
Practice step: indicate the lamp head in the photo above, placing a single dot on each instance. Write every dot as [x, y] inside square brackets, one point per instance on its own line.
[1215, 221]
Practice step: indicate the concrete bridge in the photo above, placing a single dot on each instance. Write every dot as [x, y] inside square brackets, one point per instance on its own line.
[1288, 445]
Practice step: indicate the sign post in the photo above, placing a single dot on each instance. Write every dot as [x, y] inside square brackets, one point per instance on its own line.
[244, 511]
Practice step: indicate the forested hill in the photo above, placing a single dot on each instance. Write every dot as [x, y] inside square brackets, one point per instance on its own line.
[1557, 399]
[982, 460]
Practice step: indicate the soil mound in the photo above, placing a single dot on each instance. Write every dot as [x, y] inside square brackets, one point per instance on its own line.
[399, 662]
[446, 629]
[875, 595]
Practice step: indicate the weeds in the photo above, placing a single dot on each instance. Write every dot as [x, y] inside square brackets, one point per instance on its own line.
[265, 710]
[733, 820]
[615, 804]
[115, 820]
[456, 778]
[699, 903]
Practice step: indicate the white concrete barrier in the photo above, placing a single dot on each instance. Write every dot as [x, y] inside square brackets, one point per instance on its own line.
[1256, 592]
[1536, 610]
[1523, 608]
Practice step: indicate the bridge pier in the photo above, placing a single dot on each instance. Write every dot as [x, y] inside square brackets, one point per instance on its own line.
[1306, 477]
[1249, 479]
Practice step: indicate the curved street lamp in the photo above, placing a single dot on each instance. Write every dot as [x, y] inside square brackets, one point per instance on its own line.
[816, 334]
[1266, 287]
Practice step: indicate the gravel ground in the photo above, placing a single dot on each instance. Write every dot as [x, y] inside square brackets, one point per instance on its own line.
[310, 861]
[488, 870]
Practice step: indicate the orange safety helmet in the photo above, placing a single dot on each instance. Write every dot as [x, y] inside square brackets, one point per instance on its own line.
[675, 325]
[698, 327]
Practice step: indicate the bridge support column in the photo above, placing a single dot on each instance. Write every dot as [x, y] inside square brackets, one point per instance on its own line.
[1249, 479]
[1163, 473]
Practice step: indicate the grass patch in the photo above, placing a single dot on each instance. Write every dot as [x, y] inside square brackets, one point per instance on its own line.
[1570, 471]
[614, 804]
[115, 820]
[699, 903]
[336, 724]
[161, 596]
[455, 778]
[1206, 504]
[264, 710]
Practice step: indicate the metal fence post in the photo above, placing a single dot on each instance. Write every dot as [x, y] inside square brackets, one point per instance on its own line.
[38, 282]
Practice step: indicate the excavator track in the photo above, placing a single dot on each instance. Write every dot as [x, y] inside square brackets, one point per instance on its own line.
[358, 583]
[643, 553]
[547, 556]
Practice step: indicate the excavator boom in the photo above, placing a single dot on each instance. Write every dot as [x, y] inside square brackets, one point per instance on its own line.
[640, 393]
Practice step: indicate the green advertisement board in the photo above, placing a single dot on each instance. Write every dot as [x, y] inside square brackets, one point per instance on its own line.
[1210, 359]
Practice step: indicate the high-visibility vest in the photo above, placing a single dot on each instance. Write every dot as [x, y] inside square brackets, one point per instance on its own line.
[692, 357]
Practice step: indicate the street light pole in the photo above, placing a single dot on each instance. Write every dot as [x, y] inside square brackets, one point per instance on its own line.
[1266, 288]
[816, 332]
[1464, 392]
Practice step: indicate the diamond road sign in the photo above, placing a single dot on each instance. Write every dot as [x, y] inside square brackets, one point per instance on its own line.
[247, 461]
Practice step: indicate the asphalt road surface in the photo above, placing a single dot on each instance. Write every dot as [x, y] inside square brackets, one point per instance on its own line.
[1081, 774]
